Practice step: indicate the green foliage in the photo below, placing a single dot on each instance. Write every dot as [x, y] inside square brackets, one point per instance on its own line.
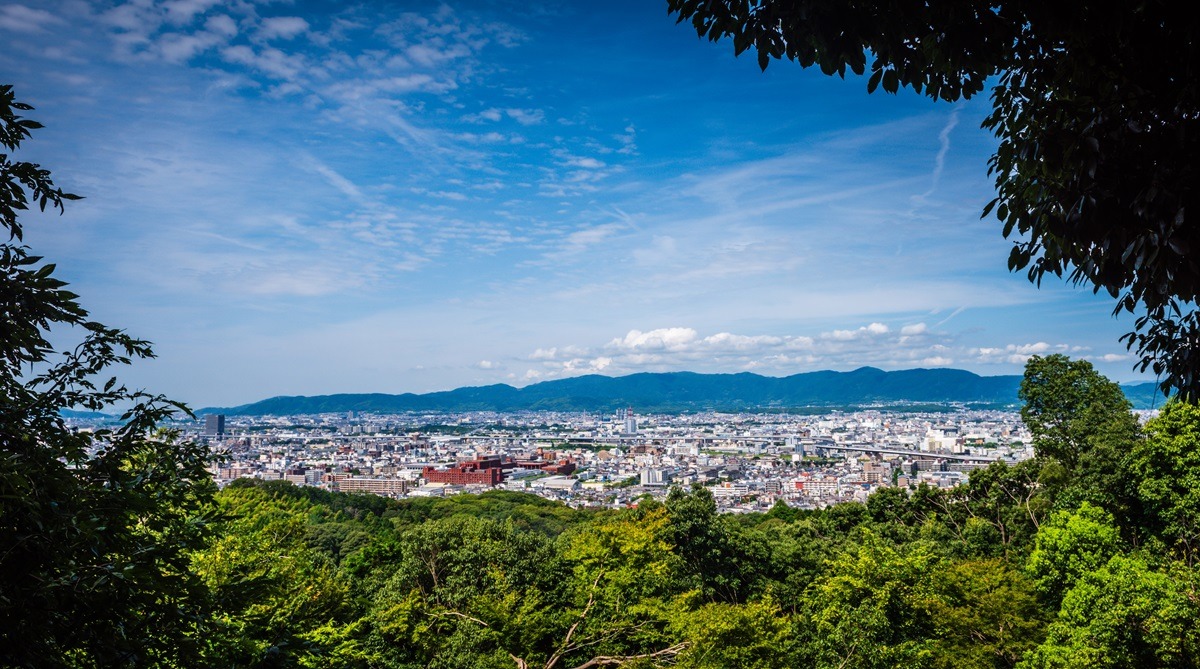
[721, 560]
[728, 636]
[466, 590]
[1167, 469]
[525, 510]
[630, 554]
[1082, 421]
[95, 528]
[997, 514]
[456, 560]
[798, 556]
[782, 511]
[1070, 545]
[1124, 614]
[876, 607]
[989, 616]
[269, 590]
[1071, 409]
[840, 519]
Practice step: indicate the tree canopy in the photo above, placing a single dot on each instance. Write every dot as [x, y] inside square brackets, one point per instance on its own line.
[95, 527]
[1097, 109]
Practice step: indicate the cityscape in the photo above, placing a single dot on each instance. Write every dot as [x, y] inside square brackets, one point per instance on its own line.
[750, 461]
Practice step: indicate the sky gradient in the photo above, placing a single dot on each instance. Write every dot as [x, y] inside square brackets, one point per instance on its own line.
[319, 197]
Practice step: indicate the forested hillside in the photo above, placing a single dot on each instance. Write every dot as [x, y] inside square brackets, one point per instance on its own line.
[1085, 556]
[671, 392]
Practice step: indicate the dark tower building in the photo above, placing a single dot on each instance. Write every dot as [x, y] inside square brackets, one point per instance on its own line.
[214, 425]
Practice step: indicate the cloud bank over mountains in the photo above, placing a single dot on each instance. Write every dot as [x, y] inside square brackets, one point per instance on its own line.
[666, 349]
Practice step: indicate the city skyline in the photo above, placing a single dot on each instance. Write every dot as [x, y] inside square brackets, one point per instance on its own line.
[303, 199]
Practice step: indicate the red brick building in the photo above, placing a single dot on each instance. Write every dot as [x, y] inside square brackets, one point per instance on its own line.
[484, 471]
[562, 467]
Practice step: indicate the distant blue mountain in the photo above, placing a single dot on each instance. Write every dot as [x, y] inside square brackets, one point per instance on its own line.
[687, 391]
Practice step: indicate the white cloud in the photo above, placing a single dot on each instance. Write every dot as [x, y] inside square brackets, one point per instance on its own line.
[627, 140]
[282, 27]
[22, 19]
[867, 331]
[584, 162]
[221, 25]
[732, 342]
[1019, 354]
[180, 12]
[526, 116]
[579, 241]
[683, 348]
[178, 48]
[433, 55]
[269, 61]
[132, 18]
[341, 183]
[491, 114]
[662, 339]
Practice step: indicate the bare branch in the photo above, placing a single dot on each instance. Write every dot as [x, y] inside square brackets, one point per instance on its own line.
[463, 616]
[615, 660]
[566, 644]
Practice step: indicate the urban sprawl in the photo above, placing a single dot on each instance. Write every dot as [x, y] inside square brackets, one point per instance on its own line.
[749, 461]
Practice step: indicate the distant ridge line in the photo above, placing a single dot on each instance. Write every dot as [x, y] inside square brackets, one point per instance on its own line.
[670, 392]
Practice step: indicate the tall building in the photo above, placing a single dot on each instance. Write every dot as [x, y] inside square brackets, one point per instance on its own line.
[214, 425]
[630, 427]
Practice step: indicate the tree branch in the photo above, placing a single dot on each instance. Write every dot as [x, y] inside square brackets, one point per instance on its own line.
[566, 644]
[463, 616]
[611, 660]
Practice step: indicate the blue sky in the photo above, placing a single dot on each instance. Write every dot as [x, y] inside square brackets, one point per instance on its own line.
[319, 197]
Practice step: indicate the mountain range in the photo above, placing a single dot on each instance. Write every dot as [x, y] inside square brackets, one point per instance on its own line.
[689, 391]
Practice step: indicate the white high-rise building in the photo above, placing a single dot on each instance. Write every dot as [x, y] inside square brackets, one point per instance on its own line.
[630, 424]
